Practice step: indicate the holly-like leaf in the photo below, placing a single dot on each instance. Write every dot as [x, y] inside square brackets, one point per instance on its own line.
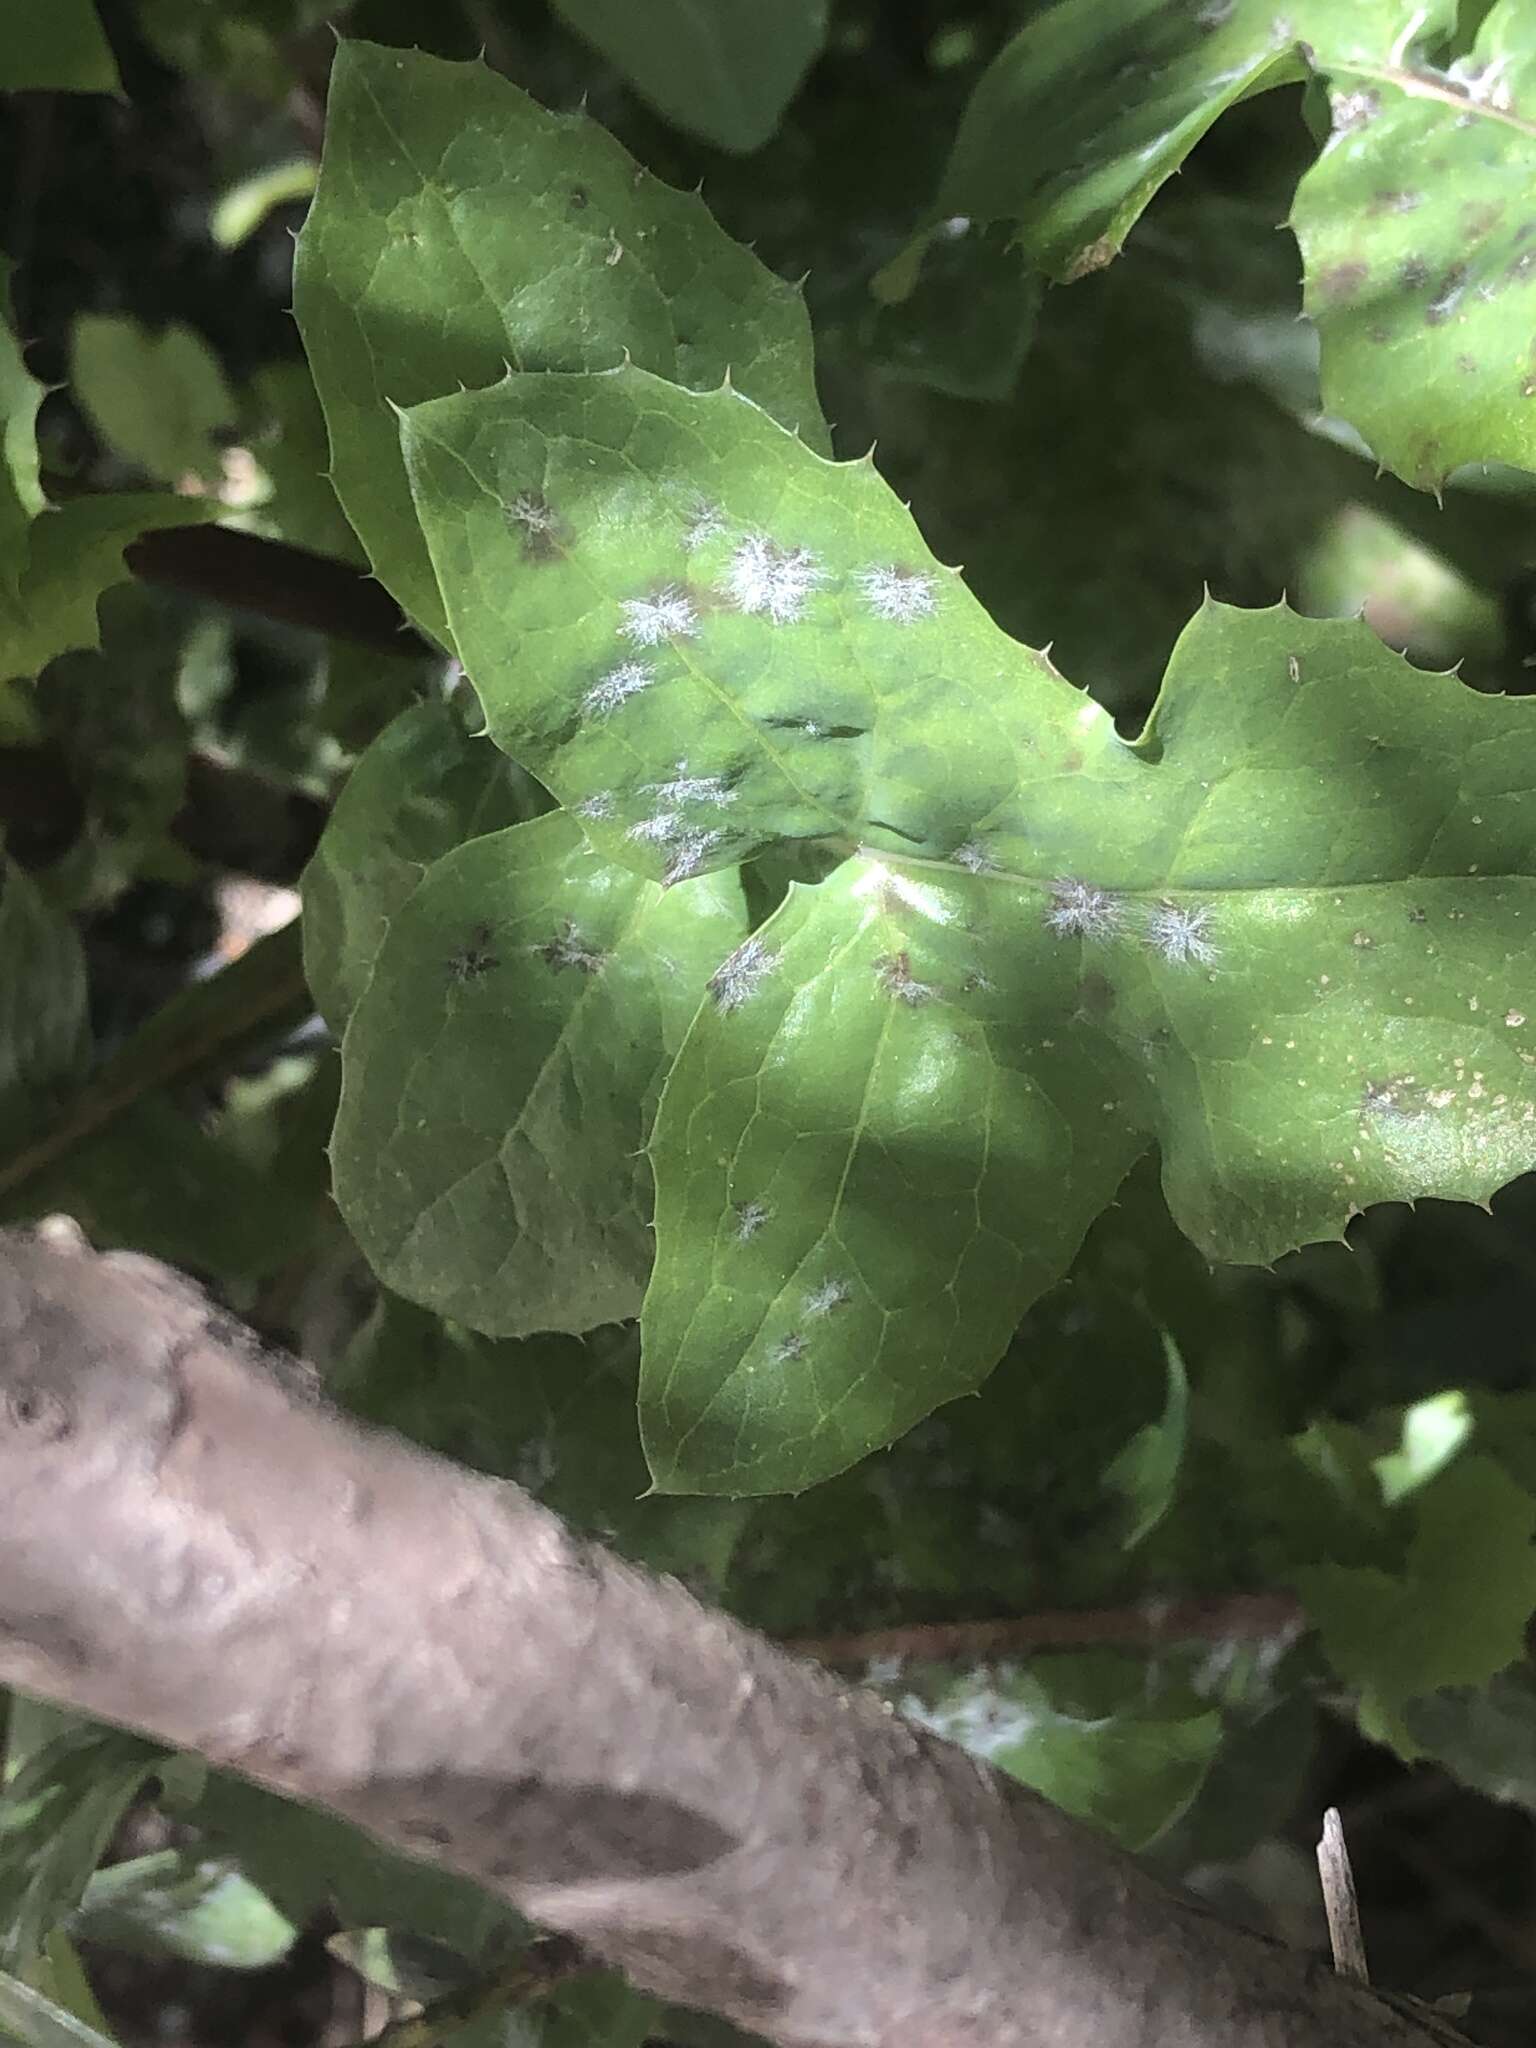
[57, 48]
[458, 227]
[1419, 233]
[424, 785]
[1085, 113]
[1457, 1613]
[500, 1071]
[1282, 935]
[725, 69]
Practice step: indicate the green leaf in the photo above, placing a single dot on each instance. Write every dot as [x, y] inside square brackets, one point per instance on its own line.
[424, 785]
[57, 48]
[726, 69]
[1281, 934]
[173, 1905]
[287, 434]
[57, 1816]
[39, 2022]
[44, 1027]
[1117, 1762]
[1484, 1735]
[21, 491]
[1420, 242]
[1453, 1617]
[1146, 1472]
[493, 1169]
[458, 226]
[160, 401]
[75, 553]
[1085, 113]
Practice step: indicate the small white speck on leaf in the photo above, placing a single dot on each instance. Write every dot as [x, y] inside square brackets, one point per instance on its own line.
[1514, 1019]
[669, 615]
[898, 596]
[1079, 910]
[736, 980]
[1181, 933]
[830, 1295]
[617, 687]
[766, 580]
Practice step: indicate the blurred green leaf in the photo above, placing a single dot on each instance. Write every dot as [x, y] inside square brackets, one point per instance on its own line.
[44, 1029]
[171, 1905]
[56, 48]
[160, 401]
[724, 68]
[1146, 1472]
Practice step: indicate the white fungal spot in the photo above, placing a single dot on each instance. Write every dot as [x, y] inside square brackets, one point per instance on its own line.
[533, 513]
[1182, 934]
[1352, 110]
[750, 1218]
[773, 581]
[669, 615]
[599, 805]
[895, 976]
[1514, 1019]
[788, 1348]
[1079, 910]
[1293, 668]
[688, 854]
[973, 857]
[830, 1295]
[661, 827]
[684, 788]
[706, 522]
[898, 596]
[568, 949]
[617, 687]
[738, 978]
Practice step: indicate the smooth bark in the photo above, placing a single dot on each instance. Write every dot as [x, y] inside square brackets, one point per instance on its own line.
[194, 1544]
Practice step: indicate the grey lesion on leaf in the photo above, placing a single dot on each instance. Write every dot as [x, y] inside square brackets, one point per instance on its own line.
[539, 525]
[474, 958]
[893, 973]
[567, 948]
[750, 1218]
[788, 1348]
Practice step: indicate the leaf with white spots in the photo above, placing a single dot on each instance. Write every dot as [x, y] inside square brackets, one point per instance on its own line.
[457, 227]
[1418, 226]
[500, 1070]
[1278, 937]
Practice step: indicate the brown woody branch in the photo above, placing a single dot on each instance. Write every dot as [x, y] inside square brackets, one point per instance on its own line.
[193, 1544]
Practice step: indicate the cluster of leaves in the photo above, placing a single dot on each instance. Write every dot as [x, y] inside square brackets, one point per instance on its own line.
[772, 1000]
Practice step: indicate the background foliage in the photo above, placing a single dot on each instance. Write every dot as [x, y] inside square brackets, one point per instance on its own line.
[721, 982]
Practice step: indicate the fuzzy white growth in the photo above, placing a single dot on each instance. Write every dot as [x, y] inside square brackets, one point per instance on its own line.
[689, 853]
[598, 806]
[750, 1218]
[830, 1295]
[615, 688]
[684, 788]
[898, 596]
[738, 978]
[706, 522]
[661, 827]
[895, 976]
[1080, 911]
[788, 1348]
[529, 510]
[974, 857]
[763, 578]
[669, 615]
[568, 949]
[1181, 934]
